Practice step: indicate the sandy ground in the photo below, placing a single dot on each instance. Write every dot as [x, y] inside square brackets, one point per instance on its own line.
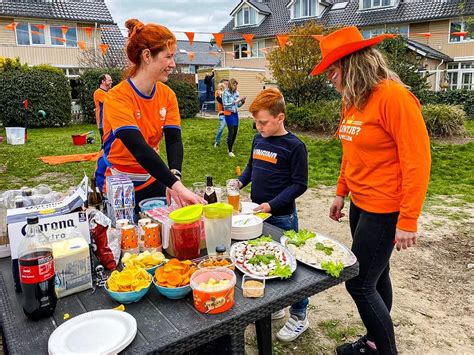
[432, 283]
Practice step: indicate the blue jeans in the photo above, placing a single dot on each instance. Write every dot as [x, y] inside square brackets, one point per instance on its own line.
[287, 223]
[220, 129]
[372, 243]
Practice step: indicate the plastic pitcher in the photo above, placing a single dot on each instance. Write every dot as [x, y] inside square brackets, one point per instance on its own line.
[186, 232]
[218, 225]
[15, 135]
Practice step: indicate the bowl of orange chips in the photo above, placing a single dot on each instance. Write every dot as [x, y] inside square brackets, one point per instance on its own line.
[172, 279]
[129, 285]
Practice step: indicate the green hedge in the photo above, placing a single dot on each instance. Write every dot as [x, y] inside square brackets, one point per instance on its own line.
[320, 117]
[187, 95]
[88, 83]
[444, 120]
[464, 98]
[45, 87]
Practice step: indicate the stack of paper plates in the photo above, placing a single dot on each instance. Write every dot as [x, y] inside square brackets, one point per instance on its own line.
[246, 227]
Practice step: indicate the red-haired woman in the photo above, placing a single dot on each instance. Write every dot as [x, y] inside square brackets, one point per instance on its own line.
[138, 112]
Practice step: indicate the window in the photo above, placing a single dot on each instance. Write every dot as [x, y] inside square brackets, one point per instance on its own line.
[371, 4]
[246, 16]
[457, 26]
[467, 82]
[304, 8]
[241, 50]
[59, 39]
[369, 33]
[37, 34]
[30, 34]
[71, 37]
[460, 75]
[22, 34]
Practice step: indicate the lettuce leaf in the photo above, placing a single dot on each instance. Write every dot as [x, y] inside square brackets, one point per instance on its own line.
[326, 250]
[259, 241]
[299, 238]
[283, 272]
[333, 269]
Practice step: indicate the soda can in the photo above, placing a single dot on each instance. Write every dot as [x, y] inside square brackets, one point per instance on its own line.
[152, 237]
[129, 238]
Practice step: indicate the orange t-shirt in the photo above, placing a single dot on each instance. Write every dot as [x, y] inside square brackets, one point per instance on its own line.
[386, 154]
[99, 96]
[220, 108]
[127, 108]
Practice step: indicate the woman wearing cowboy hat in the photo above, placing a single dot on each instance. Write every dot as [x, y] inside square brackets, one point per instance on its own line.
[385, 168]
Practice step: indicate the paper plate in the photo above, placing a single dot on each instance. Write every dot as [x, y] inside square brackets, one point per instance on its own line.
[97, 332]
[247, 207]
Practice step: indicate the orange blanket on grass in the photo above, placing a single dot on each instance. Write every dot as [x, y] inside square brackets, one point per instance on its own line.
[61, 159]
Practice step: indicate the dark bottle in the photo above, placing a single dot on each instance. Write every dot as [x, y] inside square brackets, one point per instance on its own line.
[210, 195]
[220, 250]
[37, 276]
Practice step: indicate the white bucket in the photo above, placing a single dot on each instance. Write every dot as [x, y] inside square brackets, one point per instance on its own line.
[15, 135]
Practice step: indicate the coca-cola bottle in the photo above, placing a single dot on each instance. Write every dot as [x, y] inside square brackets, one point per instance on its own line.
[36, 264]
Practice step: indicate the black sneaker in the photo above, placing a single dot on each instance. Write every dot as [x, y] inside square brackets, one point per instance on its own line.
[359, 347]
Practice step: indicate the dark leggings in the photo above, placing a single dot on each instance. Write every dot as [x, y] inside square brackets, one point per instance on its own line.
[372, 243]
[231, 136]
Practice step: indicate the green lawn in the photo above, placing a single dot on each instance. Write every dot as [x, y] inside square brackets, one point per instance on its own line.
[452, 171]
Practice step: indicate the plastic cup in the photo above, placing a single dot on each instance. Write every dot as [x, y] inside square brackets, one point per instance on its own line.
[199, 188]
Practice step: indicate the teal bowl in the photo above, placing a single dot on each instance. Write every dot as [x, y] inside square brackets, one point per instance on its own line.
[174, 293]
[128, 297]
[152, 270]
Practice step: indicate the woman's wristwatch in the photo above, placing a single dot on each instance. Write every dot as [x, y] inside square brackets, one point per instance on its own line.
[176, 173]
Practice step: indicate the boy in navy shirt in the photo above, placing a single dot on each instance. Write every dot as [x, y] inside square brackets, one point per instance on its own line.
[278, 171]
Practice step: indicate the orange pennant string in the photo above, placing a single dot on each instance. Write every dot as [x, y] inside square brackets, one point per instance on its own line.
[59, 39]
[264, 50]
[459, 33]
[190, 36]
[248, 38]
[88, 31]
[317, 37]
[282, 39]
[64, 29]
[424, 34]
[191, 55]
[218, 37]
[81, 44]
[11, 26]
[103, 48]
[35, 33]
[40, 26]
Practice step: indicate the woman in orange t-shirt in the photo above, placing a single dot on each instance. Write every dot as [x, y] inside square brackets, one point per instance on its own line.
[385, 167]
[138, 113]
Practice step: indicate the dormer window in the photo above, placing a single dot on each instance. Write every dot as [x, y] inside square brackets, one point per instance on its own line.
[303, 8]
[246, 16]
[373, 4]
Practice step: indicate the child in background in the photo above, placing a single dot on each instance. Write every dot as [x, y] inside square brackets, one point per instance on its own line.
[220, 109]
[278, 171]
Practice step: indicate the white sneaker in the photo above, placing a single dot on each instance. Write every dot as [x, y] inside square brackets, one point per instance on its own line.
[216, 145]
[292, 329]
[278, 314]
[232, 155]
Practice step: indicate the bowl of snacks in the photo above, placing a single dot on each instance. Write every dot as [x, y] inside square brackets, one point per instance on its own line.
[213, 290]
[172, 279]
[146, 260]
[129, 285]
[216, 261]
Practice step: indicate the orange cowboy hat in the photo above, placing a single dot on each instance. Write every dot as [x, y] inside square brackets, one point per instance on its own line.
[343, 42]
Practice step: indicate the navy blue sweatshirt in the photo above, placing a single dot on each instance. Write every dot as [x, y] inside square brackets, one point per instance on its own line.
[278, 171]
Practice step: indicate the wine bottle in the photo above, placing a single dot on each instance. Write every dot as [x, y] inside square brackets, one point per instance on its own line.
[210, 195]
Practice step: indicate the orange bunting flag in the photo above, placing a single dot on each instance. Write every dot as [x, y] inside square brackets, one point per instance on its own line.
[191, 55]
[218, 37]
[190, 36]
[425, 34]
[248, 38]
[81, 45]
[59, 39]
[35, 33]
[459, 34]
[11, 26]
[103, 48]
[88, 31]
[317, 37]
[248, 52]
[264, 50]
[64, 29]
[40, 26]
[282, 39]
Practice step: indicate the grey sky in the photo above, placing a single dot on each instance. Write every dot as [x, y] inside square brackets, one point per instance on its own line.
[178, 15]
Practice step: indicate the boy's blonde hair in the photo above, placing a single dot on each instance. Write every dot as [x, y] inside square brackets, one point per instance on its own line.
[269, 99]
[221, 87]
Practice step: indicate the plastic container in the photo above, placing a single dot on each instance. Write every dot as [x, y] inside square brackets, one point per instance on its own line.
[186, 232]
[218, 225]
[79, 139]
[252, 287]
[152, 203]
[207, 300]
[15, 135]
[211, 262]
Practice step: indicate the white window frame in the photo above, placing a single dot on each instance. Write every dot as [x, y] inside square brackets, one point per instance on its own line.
[460, 75]
[372, 6]
[63, 37]
[47, 36]
[295, 16]
[380, 30]
[242, 10]
[257, 45]
[461, 38]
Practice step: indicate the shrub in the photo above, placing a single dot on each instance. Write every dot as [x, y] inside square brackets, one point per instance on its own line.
[321, 116]
[46, 89]
[187, 95]
[452, 97]
[444, 120]
[7, 64]
[88, 83]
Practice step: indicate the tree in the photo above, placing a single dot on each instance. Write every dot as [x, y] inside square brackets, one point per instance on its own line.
[404, 62]
[92, 58]
[291, 66]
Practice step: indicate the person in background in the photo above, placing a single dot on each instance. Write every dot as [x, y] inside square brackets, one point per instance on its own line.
[278, 171]
[208, 83]
[231, 101]
[220, 110]
[105, 84]
[138, 112]
[385, 167]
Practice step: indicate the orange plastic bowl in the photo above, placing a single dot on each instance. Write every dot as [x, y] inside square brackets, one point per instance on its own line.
[217, 301]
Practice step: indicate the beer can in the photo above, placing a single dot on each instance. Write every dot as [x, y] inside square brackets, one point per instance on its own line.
[152, 237]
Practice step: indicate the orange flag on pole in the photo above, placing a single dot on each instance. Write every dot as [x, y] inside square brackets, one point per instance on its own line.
[248, 38]
[282, 39]
[81, 45]
[190, 36]
[11, 26]
[64, 29]
[88, 31]
[103, 48]
[218, 37]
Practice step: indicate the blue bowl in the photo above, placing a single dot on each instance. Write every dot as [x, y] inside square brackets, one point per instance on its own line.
[128, 297]
[151, 203]
[174, 293]
[152, 270]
